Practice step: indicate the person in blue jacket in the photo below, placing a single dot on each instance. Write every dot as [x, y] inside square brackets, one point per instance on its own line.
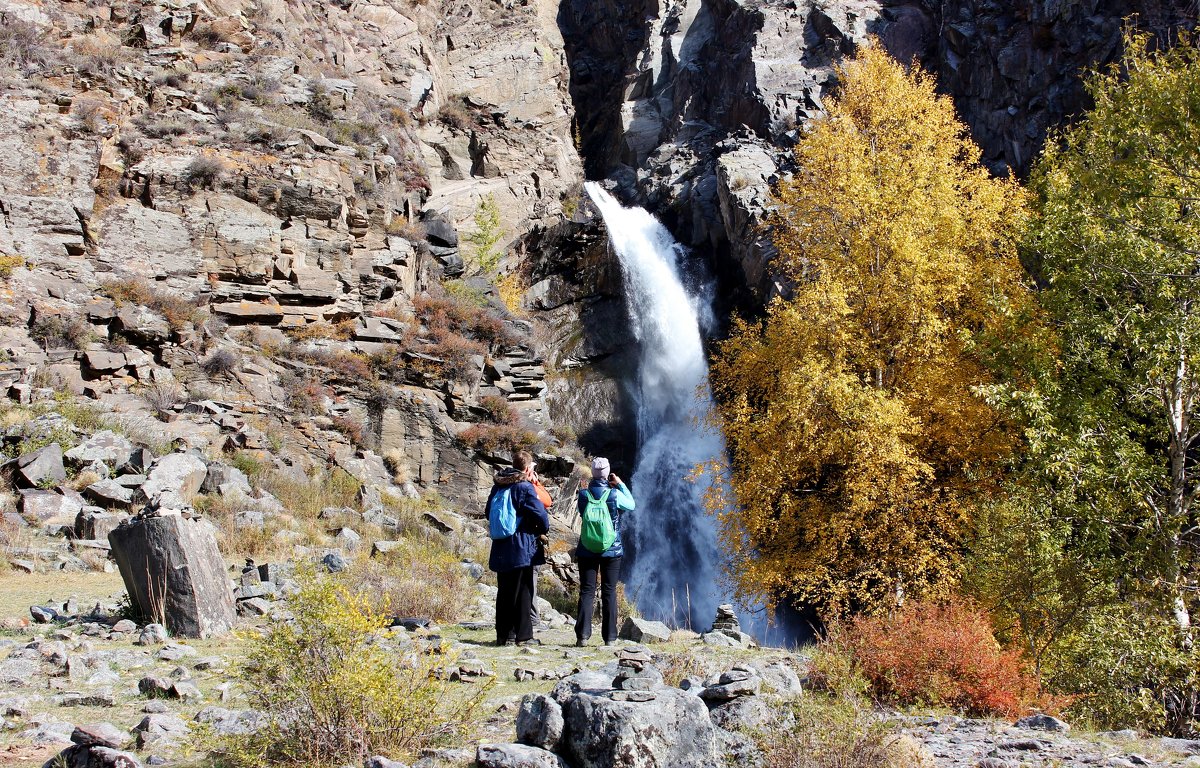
[606, 566]
[513, 558]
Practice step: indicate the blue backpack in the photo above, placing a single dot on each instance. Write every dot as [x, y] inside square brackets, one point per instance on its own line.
[502, 516]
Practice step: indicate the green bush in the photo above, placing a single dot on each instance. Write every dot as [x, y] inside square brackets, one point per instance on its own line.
[335, 687]
[1128, 669]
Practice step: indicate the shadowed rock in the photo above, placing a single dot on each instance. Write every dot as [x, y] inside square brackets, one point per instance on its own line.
[172, 568]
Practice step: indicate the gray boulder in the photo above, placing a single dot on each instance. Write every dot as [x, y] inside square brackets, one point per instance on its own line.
[100, 735]
[172, 567]
[225, 480]
[747, 713]
[335, 562]
[664, 728]
[643, 631]
[779, 676]
[515, 756]
[95, 523]
[539, 721]
[1041, 722]
[110, 493]
[41, 468]
[379, 761]
[86, 756]
[174, 480]
[158, 730]
[104, 446]
[50, 505]
[732, 685]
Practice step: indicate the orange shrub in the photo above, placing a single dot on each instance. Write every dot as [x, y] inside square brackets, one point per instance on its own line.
[353, 430]
[458, 315]
[937, 654]
[497, 437]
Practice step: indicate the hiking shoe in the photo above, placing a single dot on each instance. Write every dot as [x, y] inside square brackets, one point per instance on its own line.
[580, 643]
[530, 642]
[610, 642]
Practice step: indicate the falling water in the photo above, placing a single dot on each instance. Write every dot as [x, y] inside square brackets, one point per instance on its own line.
[675, 559]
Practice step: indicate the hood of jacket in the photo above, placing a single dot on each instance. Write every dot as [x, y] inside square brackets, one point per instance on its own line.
[508, 476]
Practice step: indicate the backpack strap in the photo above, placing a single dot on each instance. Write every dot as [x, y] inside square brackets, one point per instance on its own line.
[601, 499]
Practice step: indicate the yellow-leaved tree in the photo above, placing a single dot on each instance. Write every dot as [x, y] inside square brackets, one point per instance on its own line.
[858, 446]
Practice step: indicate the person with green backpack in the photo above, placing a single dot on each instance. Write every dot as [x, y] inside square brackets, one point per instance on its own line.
[600, 550]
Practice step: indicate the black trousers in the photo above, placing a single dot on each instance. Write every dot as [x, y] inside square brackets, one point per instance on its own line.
[607, 570]
[514, 601]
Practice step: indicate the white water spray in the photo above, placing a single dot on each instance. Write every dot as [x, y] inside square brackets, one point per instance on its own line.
[675, 556]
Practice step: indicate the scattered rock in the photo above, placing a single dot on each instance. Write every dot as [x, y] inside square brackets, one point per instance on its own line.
[335, 562]
[104, 446]
[173, 481]
[1042, 722]
[152, 634]
[100, 735]
[643, 631]
[515, 756]
[41, 468]
[539, 721]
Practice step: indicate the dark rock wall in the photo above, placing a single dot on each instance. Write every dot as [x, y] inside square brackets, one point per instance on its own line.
[602, 40]
[1014, 66]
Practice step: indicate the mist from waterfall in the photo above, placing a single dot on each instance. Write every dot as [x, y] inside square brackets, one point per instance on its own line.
[675, 559]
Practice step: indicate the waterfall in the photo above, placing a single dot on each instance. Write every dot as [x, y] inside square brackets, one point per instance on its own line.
[674, 556]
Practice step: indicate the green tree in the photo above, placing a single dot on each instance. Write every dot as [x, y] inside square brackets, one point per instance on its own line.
[1090, 556]
[487, 236]
[1117, 244]
[858, 447]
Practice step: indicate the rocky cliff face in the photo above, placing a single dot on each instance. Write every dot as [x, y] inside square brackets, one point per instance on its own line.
[281, 182]
[706, 108]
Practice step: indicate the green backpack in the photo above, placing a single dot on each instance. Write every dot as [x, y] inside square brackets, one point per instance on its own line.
[597, 533]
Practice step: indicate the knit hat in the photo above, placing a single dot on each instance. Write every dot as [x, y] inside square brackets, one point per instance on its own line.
[600, 468]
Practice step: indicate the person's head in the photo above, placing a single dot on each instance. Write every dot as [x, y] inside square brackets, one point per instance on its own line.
[523, 461]
[600, 468]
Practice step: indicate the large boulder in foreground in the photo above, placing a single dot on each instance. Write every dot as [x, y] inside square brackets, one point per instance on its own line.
[658, 728]
[173, 571]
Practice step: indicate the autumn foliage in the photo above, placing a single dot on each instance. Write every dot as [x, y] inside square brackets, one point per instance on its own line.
[859, 447]
[936, 654]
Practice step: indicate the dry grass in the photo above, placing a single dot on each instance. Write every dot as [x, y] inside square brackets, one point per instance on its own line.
[18, 591]
[420, 579]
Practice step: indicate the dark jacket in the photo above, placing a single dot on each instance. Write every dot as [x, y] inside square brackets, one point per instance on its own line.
[619, 500]
[522, 549]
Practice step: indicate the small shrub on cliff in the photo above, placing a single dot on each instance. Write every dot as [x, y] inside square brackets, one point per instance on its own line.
[335, 688]
[163, 397]
[936, 654]
[25, 47]
[203, 172]
[8, 264]
[61, 332]
[498, 410]
[836, 733]
[223, 361]
[462, 315]
[455, 114]
[493, 438]
[322, 330]
[353, 430]
[176, 310]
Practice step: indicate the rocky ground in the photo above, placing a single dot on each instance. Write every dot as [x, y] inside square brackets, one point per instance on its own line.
[89, 675]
